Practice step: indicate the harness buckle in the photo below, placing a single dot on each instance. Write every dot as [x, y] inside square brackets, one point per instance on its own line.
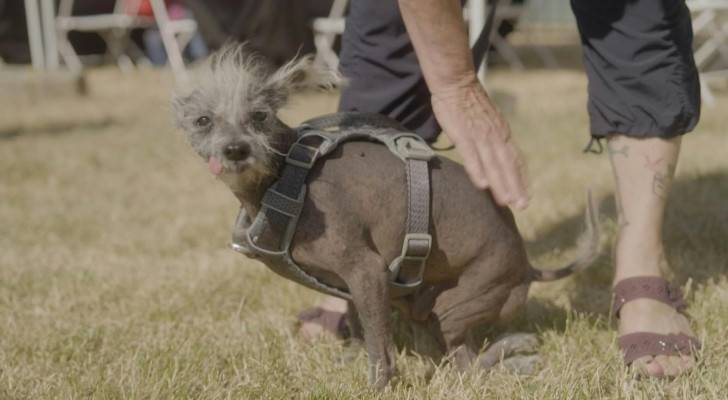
[301, 155]
[415, 250]
[413, 148]
[238, 241]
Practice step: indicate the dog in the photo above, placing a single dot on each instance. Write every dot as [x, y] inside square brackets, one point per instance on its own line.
[353, 220]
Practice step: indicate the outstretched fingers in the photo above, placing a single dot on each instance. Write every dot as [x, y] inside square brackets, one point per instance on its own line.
[483, 138]
[503, 167]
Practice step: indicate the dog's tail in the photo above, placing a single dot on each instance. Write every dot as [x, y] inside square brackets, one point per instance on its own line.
[589, 248]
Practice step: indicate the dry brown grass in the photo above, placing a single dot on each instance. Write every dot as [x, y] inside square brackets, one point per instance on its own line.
[115, 281]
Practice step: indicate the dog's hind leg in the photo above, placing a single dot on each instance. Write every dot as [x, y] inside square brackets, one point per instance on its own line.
[461, 309]
[483, 295]
[514, 351]
[356, 331]
[466, 307]
[369, 288]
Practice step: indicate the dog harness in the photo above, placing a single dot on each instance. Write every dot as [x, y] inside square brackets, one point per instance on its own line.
[272, 231]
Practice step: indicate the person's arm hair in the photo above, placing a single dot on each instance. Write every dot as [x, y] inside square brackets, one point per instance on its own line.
[438, 33]
[460, 104]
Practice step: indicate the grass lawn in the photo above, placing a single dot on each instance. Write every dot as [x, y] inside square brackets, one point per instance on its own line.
[116, 282]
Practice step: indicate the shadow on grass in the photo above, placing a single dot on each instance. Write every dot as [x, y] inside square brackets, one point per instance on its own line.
[696, 240]
[56, 127]
[695, 236]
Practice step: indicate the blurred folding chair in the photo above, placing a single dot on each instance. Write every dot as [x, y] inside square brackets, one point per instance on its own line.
[475, 11]
[325, 30]
[115, 29]
[510, 11]
[176, 35]
[710, 27]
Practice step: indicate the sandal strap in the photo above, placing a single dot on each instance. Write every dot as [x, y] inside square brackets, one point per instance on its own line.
[647, 287]
[640, 344]
[333, 322]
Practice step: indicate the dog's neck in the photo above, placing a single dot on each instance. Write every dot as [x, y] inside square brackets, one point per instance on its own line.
[250, 193]
[250, 198]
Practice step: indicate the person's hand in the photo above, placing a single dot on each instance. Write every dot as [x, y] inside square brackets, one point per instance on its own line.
[483, 138]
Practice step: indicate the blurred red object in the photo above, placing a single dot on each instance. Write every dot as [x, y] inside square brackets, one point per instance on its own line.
[144, 7]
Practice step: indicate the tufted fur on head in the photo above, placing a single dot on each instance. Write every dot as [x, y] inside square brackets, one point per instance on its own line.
[234, 101]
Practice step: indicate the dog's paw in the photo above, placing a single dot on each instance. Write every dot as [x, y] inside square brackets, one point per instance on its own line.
[522, 365]
[518, 343]
[512, 345]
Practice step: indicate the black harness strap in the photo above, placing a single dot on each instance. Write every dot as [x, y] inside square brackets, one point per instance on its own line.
[273, 229]
[351, 119]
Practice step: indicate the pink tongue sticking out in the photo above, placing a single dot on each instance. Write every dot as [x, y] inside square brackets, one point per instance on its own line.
[214, 166]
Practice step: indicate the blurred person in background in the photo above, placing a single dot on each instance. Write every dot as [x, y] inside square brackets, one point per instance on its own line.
[152, 38]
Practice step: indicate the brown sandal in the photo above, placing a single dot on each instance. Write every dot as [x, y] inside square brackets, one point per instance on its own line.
[332, 322]
[640, 344]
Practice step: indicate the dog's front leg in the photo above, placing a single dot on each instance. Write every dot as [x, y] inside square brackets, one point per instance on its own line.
[356, 332]
[370, 295]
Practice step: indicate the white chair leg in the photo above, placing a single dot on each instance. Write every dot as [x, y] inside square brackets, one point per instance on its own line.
[115, 49]
[547, 57]
[49, 34]
[706, 94]
[68, 53]
[184, 39]
[169, 40]
[136, 54]
[324, 52]
[32, 16]
[723, 48]
[174, 54]
[507, 52]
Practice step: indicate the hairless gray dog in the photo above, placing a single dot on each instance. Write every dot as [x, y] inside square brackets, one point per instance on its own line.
[353, 219]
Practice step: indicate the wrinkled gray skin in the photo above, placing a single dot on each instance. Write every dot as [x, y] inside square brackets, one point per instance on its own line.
[352, 223]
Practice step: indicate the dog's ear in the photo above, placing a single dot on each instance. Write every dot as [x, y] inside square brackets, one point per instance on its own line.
[296, 76]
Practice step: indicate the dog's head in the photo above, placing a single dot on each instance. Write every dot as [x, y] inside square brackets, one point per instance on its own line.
[229, 114]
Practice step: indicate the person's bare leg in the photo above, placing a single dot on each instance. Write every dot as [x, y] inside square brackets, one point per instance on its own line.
[643, 171]
[314, 329]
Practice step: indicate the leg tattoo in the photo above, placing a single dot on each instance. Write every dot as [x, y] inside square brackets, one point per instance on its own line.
[661, 181]
[613, 151]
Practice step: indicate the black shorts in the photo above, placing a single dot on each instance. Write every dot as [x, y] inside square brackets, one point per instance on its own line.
[639, 59]
[637, 55]
[384, 77]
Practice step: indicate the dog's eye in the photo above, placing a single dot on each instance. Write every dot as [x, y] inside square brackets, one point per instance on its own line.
[203, 122]
[259, 116]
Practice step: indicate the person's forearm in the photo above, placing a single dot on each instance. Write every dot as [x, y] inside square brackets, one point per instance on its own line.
[459, 101]
[437, 31]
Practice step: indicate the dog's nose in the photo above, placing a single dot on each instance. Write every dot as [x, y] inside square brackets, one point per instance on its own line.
[237, 151]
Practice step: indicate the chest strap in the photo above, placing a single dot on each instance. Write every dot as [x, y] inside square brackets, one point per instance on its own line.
[272, 231]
